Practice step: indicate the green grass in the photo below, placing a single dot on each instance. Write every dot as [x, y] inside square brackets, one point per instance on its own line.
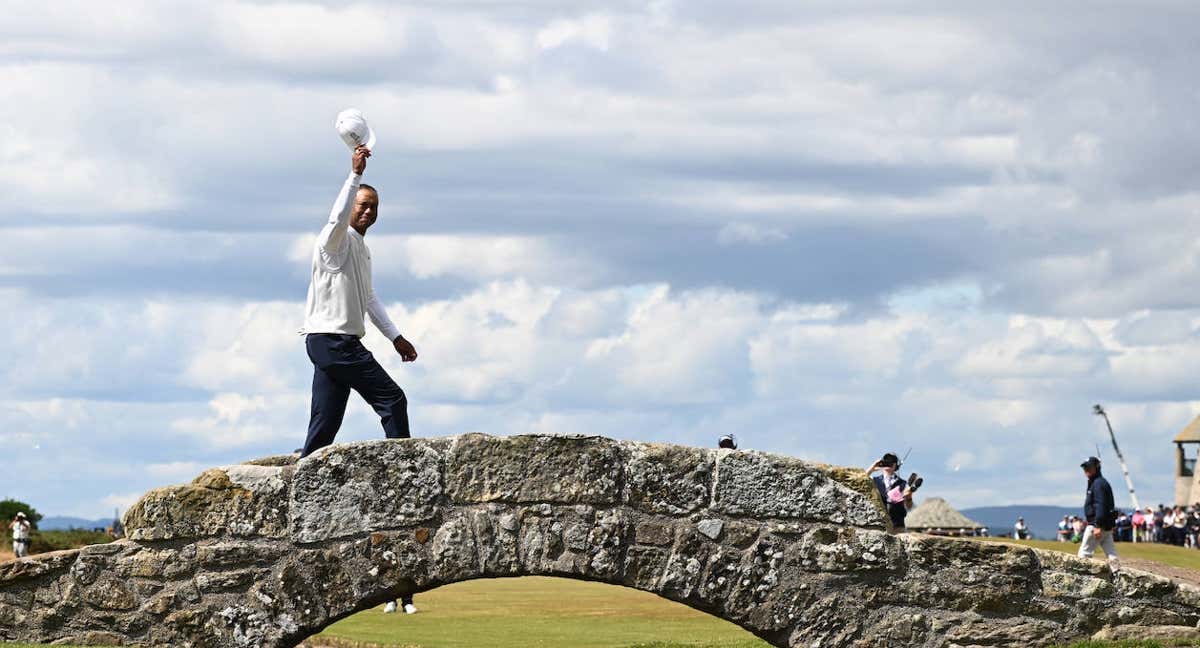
[537, 611]
[1166, 554]
[660, 644]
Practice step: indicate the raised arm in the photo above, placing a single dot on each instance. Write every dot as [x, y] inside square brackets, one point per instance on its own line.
[334, 233]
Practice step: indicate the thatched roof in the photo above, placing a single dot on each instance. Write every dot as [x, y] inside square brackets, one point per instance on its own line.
[1191, 433]
[936, 513]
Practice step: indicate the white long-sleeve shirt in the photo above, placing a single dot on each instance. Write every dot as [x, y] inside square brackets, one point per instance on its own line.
[340, 291]
[20, 530]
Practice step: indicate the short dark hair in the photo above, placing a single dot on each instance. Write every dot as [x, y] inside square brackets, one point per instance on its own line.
[364, 185]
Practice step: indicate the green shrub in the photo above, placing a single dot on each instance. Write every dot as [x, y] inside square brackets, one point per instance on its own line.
[43, 541]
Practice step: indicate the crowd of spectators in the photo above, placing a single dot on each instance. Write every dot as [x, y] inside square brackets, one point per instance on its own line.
[1177, 525]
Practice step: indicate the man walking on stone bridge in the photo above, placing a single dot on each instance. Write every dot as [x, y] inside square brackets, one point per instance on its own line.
[338, 297]
[1099, 508]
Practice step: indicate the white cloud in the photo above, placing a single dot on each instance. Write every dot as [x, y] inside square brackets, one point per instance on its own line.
[749, 233]
[1037, 348]
[476, 258]
[818, 360]
[484, 258]
[176, 470]
[51, 164]
[689, 349]
[121, 501]
[251, 346]
[812, 227]
[641, 362]
[311, 35]
[593, 30]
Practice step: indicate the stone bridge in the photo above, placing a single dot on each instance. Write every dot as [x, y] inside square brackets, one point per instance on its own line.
[270, 552]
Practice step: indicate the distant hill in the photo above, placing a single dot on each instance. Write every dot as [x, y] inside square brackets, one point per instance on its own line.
[61, 523]
[1042, 520]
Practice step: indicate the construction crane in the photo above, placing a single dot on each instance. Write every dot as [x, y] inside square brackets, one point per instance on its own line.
[1099, 411]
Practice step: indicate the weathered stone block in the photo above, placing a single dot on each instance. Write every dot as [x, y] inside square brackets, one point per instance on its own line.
[1135, 584]
[834, 549]
[710, 528]
[224, 555]
[497, 537]
[11, 616]
[356, 488]
[721, 573]
[1187, 595]
[397, 558]
[241, 500]
[453, 552]
[668, 479]
[1068, 585]
[1148, 633]
[603, 547]
[542, 550]
[22, 597]
[110, 593]
[525, 469]
[934, 553]
[681, 576]
[100, 638]
[654, 533]
[107, 549]
[644, 567]
[148, 563]
[752, 484]
[989, 631]
[741, 534]
[35, 566]
[1059, 561]
[228, 581]
[683, 571]
[161, 604]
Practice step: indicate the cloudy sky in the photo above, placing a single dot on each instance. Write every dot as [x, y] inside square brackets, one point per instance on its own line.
[831, 231]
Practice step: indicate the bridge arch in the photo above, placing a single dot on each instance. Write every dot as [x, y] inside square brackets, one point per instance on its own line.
[270, 552]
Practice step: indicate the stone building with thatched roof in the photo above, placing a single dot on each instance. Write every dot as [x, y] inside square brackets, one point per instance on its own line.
[935, 516]
[1187, 490]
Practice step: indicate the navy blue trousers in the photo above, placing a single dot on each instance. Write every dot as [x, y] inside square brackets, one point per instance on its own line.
[341, 363]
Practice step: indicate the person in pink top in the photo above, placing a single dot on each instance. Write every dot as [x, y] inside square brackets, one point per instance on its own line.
[895, 491]
[1139, 523]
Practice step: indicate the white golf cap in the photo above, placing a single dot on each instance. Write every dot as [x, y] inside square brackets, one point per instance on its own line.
[353, 129]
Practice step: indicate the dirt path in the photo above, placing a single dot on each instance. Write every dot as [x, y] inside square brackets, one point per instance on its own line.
[1177, 574]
